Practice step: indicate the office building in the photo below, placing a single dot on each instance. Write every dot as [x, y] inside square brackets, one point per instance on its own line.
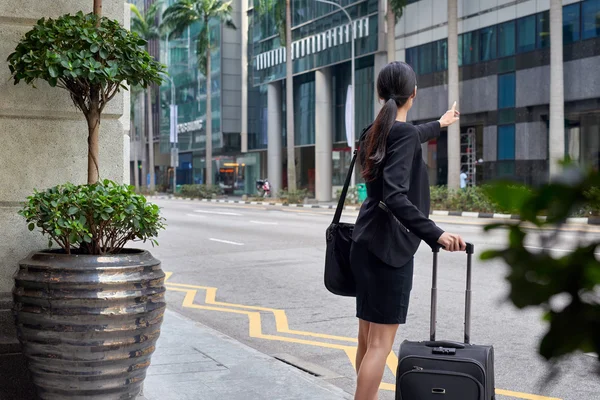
[504, 57]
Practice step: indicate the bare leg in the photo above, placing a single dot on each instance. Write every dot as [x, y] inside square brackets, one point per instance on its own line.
[363, 339]
[381, 340]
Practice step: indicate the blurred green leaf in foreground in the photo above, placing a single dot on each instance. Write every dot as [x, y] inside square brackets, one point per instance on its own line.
[565, 287]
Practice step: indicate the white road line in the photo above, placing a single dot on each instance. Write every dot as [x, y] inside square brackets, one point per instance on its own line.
[217, 212]
[264, 223]
[542, 248]
[196, 215]
[226, 242]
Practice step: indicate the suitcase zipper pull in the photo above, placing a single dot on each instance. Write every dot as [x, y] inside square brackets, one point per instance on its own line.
[417, 368]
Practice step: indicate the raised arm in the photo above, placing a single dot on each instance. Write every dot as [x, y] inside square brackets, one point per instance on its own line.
[429, 130]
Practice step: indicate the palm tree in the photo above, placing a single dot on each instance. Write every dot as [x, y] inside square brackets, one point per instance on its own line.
[453, 94]
[557, 97]
[145, 26]
[289, 101]
[395, 9]
[283, 23]
[176, 20]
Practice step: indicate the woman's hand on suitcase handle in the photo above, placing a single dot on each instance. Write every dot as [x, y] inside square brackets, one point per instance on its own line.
[452, 242]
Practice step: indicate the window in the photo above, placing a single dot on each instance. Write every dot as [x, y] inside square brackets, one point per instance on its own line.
[441, 55]
[571, 27]
[526, 34]
[506, 39]
[412, 58]
[487, 39]
[506, 142]
[425, 59]
[543, 30]
[470, 47]
[591, 18]
[460, 53]
[506, 90]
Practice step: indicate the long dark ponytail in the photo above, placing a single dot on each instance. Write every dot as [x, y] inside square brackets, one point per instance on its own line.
[395, 85]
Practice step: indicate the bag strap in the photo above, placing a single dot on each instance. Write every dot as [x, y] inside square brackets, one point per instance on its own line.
[342, 200]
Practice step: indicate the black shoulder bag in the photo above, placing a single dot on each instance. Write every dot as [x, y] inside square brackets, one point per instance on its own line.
[339, 279]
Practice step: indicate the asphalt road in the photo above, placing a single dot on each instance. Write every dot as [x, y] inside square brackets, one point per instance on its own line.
[272, 258]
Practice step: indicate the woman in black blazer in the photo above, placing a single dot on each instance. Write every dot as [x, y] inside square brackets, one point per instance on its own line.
[392, 222]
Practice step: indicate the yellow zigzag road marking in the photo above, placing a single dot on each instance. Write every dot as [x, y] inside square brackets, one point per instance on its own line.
[281, 321]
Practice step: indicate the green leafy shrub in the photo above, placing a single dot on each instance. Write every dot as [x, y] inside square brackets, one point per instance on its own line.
[293, 197]
[537, 278]
[93, 219]
[351, 196]
[200, 191]
[91, 58]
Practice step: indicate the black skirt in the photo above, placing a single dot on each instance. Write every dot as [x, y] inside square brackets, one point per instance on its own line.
[382, 291]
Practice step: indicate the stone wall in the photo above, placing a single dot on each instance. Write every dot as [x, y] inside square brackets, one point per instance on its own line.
[44, 143]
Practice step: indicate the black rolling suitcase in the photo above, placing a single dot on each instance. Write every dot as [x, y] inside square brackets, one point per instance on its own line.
[445, 370]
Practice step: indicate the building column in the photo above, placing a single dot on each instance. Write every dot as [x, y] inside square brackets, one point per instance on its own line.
[557, 97]
[323, 134]
[274, 152]
[244, 70]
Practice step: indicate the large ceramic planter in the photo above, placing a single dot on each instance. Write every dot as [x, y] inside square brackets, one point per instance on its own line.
[88, 325]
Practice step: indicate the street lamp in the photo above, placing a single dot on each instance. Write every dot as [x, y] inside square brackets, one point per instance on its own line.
[173, 133]
[353, 108]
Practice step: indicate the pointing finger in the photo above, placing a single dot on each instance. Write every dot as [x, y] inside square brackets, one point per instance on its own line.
[454, 106]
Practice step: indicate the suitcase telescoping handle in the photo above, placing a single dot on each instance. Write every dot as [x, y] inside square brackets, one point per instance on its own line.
[432, 324]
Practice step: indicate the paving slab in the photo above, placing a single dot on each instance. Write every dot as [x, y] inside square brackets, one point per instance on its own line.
[195, 362]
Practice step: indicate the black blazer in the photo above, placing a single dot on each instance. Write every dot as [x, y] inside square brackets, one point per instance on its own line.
[392, 231]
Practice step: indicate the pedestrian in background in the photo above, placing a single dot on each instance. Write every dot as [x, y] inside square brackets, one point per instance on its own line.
[392, 221]
[463, 178]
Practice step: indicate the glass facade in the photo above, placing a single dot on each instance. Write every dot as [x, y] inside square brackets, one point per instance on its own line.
[506, 90]
[583, 139]
[506, 142]
[526, 34]
[580, 21]
[591, 18]
[320, 37]
[506, 39]
[571, 23]
[488, 41]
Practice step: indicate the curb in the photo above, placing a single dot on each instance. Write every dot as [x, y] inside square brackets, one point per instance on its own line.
[466, 214]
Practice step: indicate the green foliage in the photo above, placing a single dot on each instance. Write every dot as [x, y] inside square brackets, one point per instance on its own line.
[397, 7]
[293, 197]
[90, 62]
[200, 191]
[351, 196]
[472, 199]
[92, 219]
[277, 9]
[537, 279]
[184, 13]
[145, 24]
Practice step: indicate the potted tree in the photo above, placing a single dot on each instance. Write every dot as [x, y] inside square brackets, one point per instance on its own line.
[89, 312]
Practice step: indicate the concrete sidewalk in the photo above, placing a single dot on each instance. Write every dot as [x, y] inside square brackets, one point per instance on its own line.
[195, 362]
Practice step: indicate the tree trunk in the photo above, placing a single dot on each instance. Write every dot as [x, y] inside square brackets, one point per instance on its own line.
[391, 33]
[98, 10]
[289, 93]
[93, 120]
[557, 97]
[134, 150]
[152, 183]
[143, 134]
[209, 177]
[453, 95]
